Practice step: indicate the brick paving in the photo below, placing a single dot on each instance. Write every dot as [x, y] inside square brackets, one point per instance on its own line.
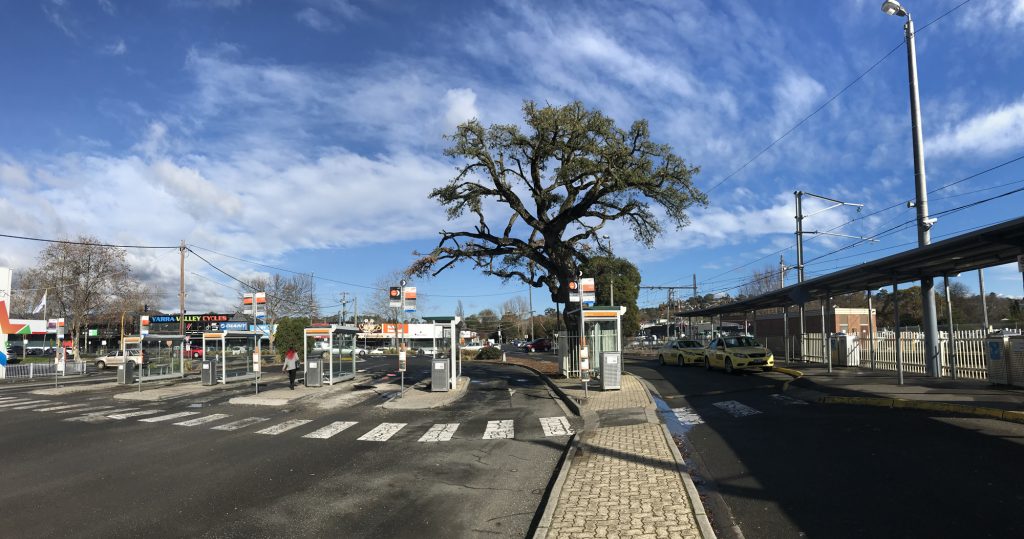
[623, 481]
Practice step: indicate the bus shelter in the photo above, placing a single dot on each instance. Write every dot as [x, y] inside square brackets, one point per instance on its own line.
[445, 345]
[164, 357]
[325, 359]
[232, 354]
[602, 331]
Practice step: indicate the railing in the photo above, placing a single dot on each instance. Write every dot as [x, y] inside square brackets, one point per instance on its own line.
[969, 353]
[40, 370]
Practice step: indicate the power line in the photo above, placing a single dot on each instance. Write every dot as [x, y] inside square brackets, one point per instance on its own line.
[71, 242]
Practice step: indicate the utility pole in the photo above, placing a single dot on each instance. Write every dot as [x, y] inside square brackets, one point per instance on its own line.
[342, 313]
[181, 292]
[800, 216]
[785, 310]
[671, 289]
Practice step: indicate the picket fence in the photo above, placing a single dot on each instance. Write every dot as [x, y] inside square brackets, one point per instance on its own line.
[969, 354]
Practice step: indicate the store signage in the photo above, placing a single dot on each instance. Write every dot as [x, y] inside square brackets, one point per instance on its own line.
[175, 318]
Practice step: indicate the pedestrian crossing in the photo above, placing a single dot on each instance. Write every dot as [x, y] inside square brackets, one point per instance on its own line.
[309, 429]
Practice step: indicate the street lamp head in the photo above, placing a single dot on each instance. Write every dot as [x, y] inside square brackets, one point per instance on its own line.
[892, 7]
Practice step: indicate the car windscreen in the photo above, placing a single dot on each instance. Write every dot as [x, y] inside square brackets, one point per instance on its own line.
[692, 344]
[740, 341]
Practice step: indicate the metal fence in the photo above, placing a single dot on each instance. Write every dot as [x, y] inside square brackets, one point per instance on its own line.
[41, 370]
[969, 353]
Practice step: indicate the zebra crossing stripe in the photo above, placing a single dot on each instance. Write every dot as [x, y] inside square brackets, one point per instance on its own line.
[382, 432]
[283, 427]
[167, 417]
[736, 408]
[75, 410]
[66, 407]
[502, 428]
[556, 426]
[201, 420]
[7, 398]
[126, 415]
[786, 399]
[28, 406]
[324, 433]
[441, 432]
[97, 416]
[19, 402]
[241, 423]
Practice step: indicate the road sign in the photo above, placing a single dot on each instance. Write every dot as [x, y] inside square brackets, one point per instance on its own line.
[409, 299]
[144, 325]
[589, 291]
[395, 297]
[401, 361]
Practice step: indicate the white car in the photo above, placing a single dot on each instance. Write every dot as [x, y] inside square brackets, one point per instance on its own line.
[378, 351]
[347, 352]
[116, 358]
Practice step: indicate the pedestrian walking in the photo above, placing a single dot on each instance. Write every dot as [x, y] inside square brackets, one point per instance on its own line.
[290, 360]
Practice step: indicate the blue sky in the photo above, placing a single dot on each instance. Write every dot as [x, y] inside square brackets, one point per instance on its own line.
[306, 134]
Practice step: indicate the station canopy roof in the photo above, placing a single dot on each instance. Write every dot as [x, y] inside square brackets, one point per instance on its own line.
[991, 246]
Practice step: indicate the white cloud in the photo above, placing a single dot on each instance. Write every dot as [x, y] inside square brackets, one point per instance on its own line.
[988, 133]
[461, 105]
[118, 48]
[107, 6]
[312, 18]
[989, 15]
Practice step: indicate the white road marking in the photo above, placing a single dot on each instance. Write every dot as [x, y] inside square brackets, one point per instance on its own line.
[7, 398]
[126, 415]
[241, 423]
[502, 428]
[283, 427]
[96, 409]
[19, 402]
[200, 420]
[785, 399]
[97, 416]
[66, 407]
[168, 417]
[687, 418]
[382, 432]
[556, 426]
[28, 406]
[440, 432]
[324, 433]
[736, 408]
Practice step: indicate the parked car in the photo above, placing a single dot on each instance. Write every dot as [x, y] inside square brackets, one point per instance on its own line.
[428, 351]
[737, 352]
[378, 351]
[537, 345]
[195, 351]
[15, 352]
[347, 352]
[681, 352]
[118, 357]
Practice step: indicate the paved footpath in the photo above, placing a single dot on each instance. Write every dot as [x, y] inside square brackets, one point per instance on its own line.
[625, 479]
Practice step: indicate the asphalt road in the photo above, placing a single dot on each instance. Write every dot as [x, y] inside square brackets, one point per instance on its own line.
[796, 469]
[126, 477]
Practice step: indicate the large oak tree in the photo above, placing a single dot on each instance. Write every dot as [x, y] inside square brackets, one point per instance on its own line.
[540, 196]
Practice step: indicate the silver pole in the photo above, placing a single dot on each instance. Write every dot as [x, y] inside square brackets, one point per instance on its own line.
[929, 319]
[800, 264]
[951, 343]
[871, 329]
[826, 350]
[984, 302]
[899, 347]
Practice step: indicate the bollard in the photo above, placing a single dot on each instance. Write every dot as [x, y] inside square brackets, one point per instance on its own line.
[503, 357]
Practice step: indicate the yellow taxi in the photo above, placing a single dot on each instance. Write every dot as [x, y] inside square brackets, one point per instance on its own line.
[681, 352]
[737, 352]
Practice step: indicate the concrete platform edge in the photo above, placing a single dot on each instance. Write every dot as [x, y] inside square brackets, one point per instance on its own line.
[963, 409]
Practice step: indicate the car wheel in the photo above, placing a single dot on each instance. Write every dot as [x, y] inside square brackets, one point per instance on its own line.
[728, 366]
[131, 364]
[100, 365]
[680, 361]
[362, 353]
[707, 363]
[661, 358]
[195, 355]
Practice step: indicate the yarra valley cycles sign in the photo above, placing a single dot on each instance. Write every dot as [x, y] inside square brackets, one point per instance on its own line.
[174, 318]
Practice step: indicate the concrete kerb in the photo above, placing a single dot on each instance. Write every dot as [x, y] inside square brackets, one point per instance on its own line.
[699, 512]
[947, 407]
[544, 524]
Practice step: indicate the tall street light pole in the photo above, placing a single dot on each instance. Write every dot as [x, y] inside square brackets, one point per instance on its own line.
[924, 223]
